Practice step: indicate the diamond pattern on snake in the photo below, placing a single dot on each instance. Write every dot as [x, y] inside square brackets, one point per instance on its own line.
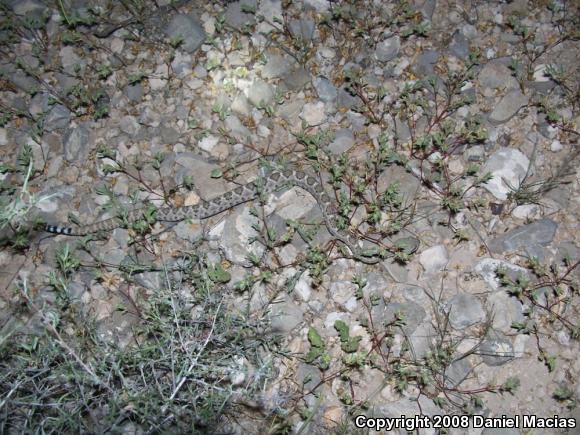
[239, 195]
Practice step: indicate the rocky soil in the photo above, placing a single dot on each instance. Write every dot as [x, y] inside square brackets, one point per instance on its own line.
[446, 132]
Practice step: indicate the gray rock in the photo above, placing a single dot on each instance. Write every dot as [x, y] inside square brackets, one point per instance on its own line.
[295, 204]
[308, 375]
[402, 130]
[303, 288]
[318, 5]
[426, 63]
[570, 252]
[149, 117]
[508, 167]
[541, 232]
[313, 113]
[77, 143]
[421, 339]
[277, 223]
[270, 10]
[208, 143]
[408, 184]
[434, 259]
[357, 121]
[561, 197]
[66, 82]
[494, 75]
[412, 315]
[115, 255]
[238, 130]
[17, 102]
[285, 316]
[238, 230]
[58, 117]
[39, 104]
[22, 81]
[342, 294]
[241, 105]
[457, 372]
[343, 141]
[76, 290]
[200, 71]
[261, 93]
[346, 100]
[464, 310]
[376, 284]
[169, 134]
[150, 280]
[504, 310]
[487, 267]
[290, 111]
[189, 28]
[236, 18]
[32, 12]
[121, 237]
[189, 230]
[277, 66]
[556, 146]
[508, 106]
[295, 80]
[459, 46]
[388, 49]
[526, 211]
[535, 250]
[3, 137]
[496, 349]
[428, 8]
[181, 64]
[546, 129]
[134, 92]
[129, 125]
[326, 91]
[23, 7]
[31, 61]
[302, 29]
[475, 153]
[399, 272]
[187, 164]
[57, 197]
[70, 61]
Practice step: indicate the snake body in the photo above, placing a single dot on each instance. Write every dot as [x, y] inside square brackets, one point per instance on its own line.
[239, 195]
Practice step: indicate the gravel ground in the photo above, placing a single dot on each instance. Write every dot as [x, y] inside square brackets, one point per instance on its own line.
[444, 132]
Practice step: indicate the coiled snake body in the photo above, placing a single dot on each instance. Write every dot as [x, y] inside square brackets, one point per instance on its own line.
[239, 195]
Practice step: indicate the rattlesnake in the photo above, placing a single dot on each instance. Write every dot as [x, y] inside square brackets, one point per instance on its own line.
[239, 195]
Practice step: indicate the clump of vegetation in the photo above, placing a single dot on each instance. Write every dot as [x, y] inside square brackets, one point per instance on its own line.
[191, 351]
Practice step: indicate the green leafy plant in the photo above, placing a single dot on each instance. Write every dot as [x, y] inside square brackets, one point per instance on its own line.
[317, 353]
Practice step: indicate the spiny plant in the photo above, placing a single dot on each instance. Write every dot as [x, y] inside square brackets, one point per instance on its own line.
[71, 346]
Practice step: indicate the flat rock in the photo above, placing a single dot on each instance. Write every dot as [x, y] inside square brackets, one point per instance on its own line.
[388, 49]
[486, 269]
[537, 233]
[189, 29]
[235, 15]
[434, 259]
[508, 167]
[465, 310]
[508, 106]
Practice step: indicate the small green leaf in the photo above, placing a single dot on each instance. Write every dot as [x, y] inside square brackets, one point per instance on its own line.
[315, 339]
[217, 274]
